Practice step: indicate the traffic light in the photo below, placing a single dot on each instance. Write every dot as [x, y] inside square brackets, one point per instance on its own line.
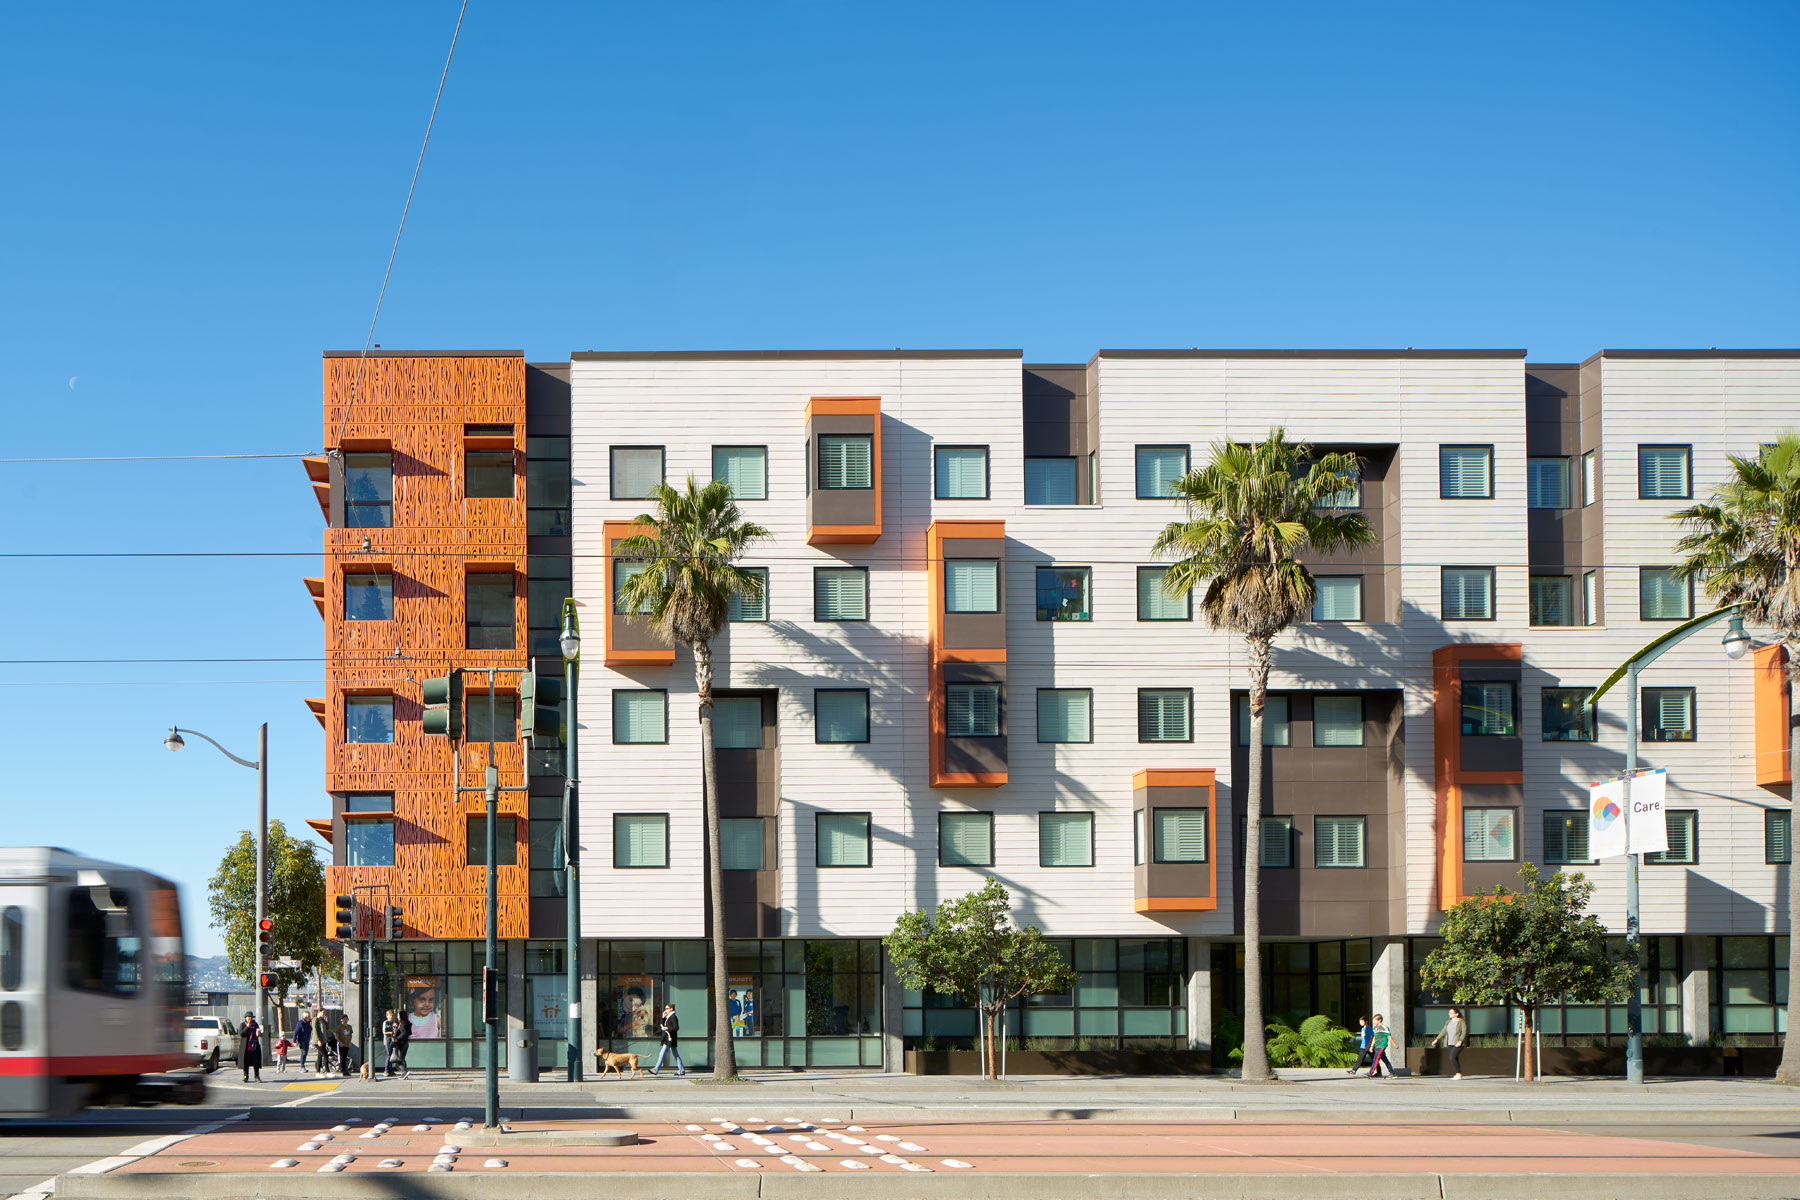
[393, 926]
[540, 710]
[490, 996]
[266, 980]
[346, 918]
[443, 696]
[265, 937]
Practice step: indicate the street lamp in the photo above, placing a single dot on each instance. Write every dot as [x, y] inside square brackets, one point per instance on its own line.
[570, 644]
[261, 767]
[1734, 643]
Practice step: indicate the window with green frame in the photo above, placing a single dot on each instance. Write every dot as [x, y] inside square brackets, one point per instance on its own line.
[750, 605]
[1180, 835]
[966, 839]
[846, 461]
[1566, 837]
[1065, 839]
[1065, 715]
[1277, 835]
[1277, 730]
[1165, 715]
[1778, 836]
[741, 843]
[745, 469]
[1684, 840]
[1340, 841]
[1154, 604]
[738, 722]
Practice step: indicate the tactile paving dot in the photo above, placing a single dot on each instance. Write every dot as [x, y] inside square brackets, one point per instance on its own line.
[441, 1167]
[330, 1168]
[323, 1137]
[494, 1162]
[371, 1134]
[957, 1162]
[855, 1129]
[285, 1162]
[449, 1148]
[307, 1147]
[725, 1147]
[709, 1137]
[886, 1137]
[893, 1158]
[912, 1148]
[421, 1129]
[694, 1128]
[748, 1164]
[340, 1129]
[389, 1163]
[853, 1164]
[915, 1167]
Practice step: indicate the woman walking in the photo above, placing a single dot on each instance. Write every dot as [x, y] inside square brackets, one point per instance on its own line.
[396, 1032]
[1454, 1035]
[1365, 1037]
[1380, 1046]
[670, 1028]
[250, 1048]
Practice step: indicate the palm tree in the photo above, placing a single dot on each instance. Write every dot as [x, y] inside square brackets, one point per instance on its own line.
[1744, 544]
[1250, 512]
[691, 544]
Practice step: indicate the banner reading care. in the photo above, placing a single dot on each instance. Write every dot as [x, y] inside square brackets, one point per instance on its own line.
[1649, 827]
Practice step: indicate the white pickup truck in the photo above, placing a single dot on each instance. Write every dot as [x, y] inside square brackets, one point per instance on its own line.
[210, 1039]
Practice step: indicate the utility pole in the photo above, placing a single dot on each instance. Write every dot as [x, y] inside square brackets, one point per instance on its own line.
[490, 1010]
[570, 644]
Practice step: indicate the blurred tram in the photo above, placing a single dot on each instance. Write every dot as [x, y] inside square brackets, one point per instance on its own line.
[93, 985]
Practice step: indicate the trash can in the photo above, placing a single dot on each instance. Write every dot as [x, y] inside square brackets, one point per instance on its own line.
[521, 1061]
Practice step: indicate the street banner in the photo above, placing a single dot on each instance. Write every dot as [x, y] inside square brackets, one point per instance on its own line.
[1649, 818]
[1606, 819]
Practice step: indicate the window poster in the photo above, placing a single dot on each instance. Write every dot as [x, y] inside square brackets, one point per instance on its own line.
[634, 1006]
[424, 1002]
[741, 1004]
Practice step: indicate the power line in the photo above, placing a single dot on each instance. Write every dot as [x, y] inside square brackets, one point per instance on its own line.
[157, 457]
[382, 295]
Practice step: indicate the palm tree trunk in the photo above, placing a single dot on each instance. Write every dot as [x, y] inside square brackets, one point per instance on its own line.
[1256, 1051]
[724, 1051]
[1789, 1070]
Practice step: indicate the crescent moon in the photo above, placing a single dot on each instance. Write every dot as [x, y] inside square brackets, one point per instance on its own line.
[72, 380]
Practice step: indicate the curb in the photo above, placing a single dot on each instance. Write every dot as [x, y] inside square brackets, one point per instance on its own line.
[1074, 1186]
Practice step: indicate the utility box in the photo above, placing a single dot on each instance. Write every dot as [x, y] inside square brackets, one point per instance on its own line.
[521, 1062]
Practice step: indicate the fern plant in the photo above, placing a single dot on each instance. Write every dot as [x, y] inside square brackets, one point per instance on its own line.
[1319, 1042]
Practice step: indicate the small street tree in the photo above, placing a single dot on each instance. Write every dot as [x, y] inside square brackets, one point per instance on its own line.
[686, 572]
[1529, 948]
[1743, 543]
[971, 948]
[296, 902]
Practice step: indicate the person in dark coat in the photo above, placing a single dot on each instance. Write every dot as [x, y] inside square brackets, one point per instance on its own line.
[671, 1028]
[250, 1047]
[303, 1035]
[324, 1039]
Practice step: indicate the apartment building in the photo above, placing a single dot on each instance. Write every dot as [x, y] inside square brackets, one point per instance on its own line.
[962, 666]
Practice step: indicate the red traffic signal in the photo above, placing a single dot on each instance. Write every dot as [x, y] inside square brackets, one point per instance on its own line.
[265, 933]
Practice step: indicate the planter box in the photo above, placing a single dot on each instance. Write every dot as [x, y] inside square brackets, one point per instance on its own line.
[1598, 1060]
[1065, 1062]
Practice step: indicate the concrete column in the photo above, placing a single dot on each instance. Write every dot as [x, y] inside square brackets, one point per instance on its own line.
[893, 1019]
[596, 1018]
[1387, 993]
[516, 1016]
[1696, 989]
[1199, 993]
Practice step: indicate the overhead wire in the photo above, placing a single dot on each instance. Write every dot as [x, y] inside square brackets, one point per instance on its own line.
[156, 457]
[407, 208]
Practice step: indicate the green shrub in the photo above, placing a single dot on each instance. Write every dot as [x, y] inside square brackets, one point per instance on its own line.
[1318, 1042]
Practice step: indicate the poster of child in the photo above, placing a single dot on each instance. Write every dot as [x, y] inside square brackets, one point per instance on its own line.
[634, 997]
[422, 997]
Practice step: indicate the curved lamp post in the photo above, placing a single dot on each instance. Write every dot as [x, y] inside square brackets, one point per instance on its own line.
[570, 644]
[261, 767]
[1735, 643]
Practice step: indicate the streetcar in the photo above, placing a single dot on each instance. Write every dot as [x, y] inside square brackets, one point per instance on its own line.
[93, 985]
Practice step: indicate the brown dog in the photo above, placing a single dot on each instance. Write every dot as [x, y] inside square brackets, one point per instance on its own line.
[617, 1062]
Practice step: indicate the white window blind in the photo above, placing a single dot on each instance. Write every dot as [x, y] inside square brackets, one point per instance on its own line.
[745, 468]
[1153, 603]
[640, 717]
[640, 839]
[624, 571]
[1565, 837]
[841, 715]
[840, 594]
[1663, 595]
[1180, 835]
[1550, 600]
[1337, 597]
[1663, 472]
[1684, 830]
[1488, 708]
[846, 461]
[1163, 715]
[1669, 714]
[965, 839]
[972, 709]
[1065, 839]
[1158, 467]
[1276, 731]
[1488, 834]
[971, 585]
[1778, 836]
[1590, 598]
[962, 472]
[743, 606]
[1546, 483]
[1049, 481]
[1064, 715]
[1468, 593]
[741, 843]
[1137, 837]
[635, 470]
[1466, 472]
[842, 839]
[1337, 720]
[1338, 841]
[1277, 835]
[1589, 478]
[737, 723]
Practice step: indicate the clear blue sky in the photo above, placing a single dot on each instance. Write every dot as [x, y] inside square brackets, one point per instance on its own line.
[199, 198]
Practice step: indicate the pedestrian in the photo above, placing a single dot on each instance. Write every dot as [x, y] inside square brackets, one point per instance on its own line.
[395, 1033]
[1380, 1045]
[326, 1039]
[250, 1047]
[1365, 1038]
[346, 1038]
[303, 1034]
[670, 1029]
[1454, 1035]
[282, 1046]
